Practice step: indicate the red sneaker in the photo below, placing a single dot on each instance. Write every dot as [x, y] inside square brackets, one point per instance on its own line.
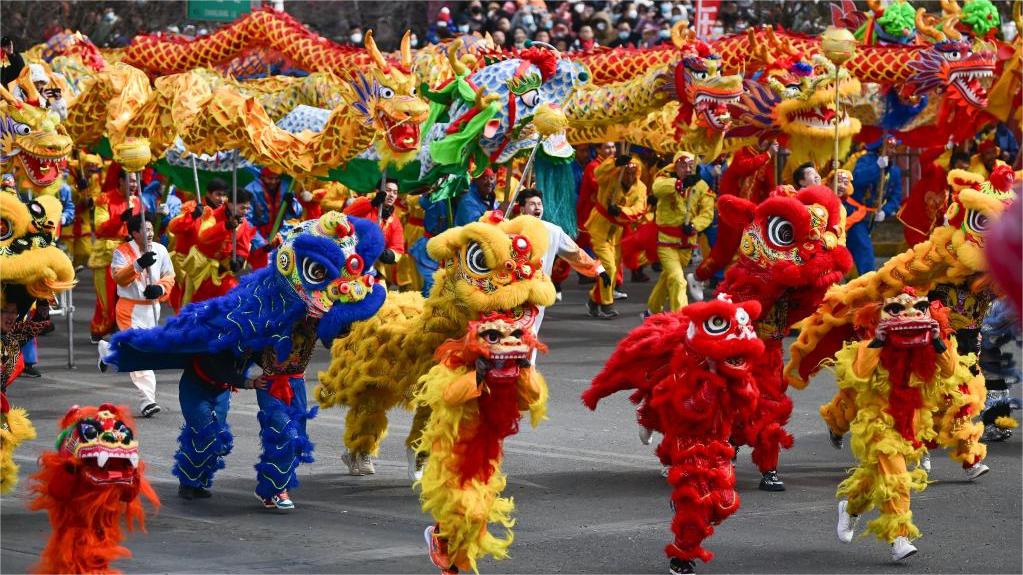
[438, 551]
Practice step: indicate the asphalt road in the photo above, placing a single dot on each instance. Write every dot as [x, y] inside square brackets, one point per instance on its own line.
[590, 498]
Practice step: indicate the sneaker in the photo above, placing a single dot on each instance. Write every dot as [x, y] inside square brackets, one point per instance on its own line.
[620, 294]
[352, 461]
[995, 434]
[664, 473]
[150, 409]
[437, 550]
[557, 296]
[415, 464]
[846, 527]
[646, 313]
[31, 371]
[836, 439]
[696, 290]
[681, 566]
[607, 312]
[280, 502]
[103, 348]
[925, 462]
[366, 464]
[770, 482]
[902, 548]
[646, 435]
[188, 492]
[975, 471]
[94, 340]
[592, 308]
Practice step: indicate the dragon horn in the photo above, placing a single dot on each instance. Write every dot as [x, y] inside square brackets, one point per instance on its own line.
[489, 39]
[1017, 14]
[926, 29]
[678, 33]
[456, 65]
[374, 53]
[951, 7]
[781, 44]
[948, 25]
[406, 49]
[758, 50]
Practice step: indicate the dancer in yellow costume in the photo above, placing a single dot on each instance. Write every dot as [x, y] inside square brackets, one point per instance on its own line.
[78, 238]
[685, 207]
[621, 199]
[908, 390]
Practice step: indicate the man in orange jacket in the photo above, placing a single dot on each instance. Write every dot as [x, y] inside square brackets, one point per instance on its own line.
[380, 209]
[228, 241]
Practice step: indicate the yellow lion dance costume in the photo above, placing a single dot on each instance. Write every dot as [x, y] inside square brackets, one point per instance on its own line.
[31, 268]
[475, 395]
[487, 266]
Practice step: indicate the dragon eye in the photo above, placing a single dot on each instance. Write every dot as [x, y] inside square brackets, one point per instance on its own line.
[313, 271]
[780, 231]
[22, 129]
[701, 75]
[716, 325]
[953, 55]
[125, 431]
[531, 98]
[977, 221]
[491, 336]
[412, 91]
[476, 259]
[386, 93]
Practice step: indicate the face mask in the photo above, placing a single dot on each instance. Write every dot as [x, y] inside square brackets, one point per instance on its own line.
[527, 20]
[464, 28]
[414, 41]
[664, 34]
[579, 8]
[624, 35]
[632, 14]
[356, 38]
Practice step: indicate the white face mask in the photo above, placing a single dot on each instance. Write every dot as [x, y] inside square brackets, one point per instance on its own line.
[664, 34]
[632, 14]
[579, 8]
[623, 35]
[356, 38]
[414, 41]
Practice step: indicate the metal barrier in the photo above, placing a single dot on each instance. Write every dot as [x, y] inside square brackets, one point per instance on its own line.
[65, 307]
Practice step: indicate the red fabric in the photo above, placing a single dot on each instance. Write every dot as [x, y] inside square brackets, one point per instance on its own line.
[1004, 248]
[924, 209]
[749, 176]
[280, 387]
[215, 241]
[116, 204]
[185, 228]
[312, 210]
[394, 233]
[640, 242]
[104, 316]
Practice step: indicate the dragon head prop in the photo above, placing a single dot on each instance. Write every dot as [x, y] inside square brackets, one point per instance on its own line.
[29, 255]
[33, 143]
[494, 264]
[703, 93]
[100, 442]
[976, 204]
[950, 65]
[73, 45]
[386, 96]
[722, 332]
[978, 18]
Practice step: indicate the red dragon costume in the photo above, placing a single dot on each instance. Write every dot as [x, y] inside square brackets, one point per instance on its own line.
[692, 392]
[91, 483]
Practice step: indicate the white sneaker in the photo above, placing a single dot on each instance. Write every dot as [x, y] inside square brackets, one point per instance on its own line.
[415, 465]
[695, 287]
[645, 435]
[557, 296]
[846, 527]
[902, 548]
[103, 347]
[664, 471]
[366, 464]
[976, 471]
[925, 462]
[352, 461]
[620, 295]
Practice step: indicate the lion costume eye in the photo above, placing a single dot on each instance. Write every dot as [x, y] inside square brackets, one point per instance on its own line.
[313, 272]
[476, 259]
[6, 229]
[491, 336]
[716, 325]
[977, 221]
[88, 429]
[780, 232]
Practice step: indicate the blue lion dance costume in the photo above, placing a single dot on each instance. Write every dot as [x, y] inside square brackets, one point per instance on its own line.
[263, 330]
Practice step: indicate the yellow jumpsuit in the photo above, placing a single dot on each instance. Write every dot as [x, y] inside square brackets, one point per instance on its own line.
[693, 206]
[606, 230]
[412, 218]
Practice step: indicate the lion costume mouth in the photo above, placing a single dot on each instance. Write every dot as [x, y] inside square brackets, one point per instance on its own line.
[909, 333]
[104, 465]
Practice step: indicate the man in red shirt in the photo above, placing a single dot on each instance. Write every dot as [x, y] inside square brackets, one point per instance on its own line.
[750, 174]
[185, 230]
[380, 209]
[227, 232]
[112, 210]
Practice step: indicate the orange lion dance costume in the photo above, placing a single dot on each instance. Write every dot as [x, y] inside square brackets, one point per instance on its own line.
[88, 485]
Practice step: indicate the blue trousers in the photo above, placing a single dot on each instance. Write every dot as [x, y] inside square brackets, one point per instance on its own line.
[857, 239]
[285, 443]
[205, 437]
[29, 352]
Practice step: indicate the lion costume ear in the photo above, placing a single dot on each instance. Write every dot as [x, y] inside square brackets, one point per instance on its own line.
[447, 244]
[736, 212]
[71, 416]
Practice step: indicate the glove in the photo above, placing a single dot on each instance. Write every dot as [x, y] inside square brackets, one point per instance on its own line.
[378, 199]
[288, 199]
[147, 259]
[622, 160]
[388, 257]
[386, 212]
[83, 183]
[690, 180]
[126, 215]
[614, 210]
[605, 279]
[198, 211]
[688, 229]
[152, 292]
[879, 216]
[882, 162]
[306, 196]
[232, 221]
[236, 265]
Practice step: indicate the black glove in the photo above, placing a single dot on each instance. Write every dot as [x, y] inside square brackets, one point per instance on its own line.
[90, 203]
[386, 212]
[614, 210]
[378, 199]
[388, 257]
[231, 221]
[236, 265]
[126, 215]
[690, 180]
[198, 211]
[622, 160]
[688, 229]
[939, 346]
[83, 183]
[147, 259]
[152, 292]
[605, 278]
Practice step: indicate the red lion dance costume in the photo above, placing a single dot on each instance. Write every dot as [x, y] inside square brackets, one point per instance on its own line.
[788, 256]
[88, 486]
[692, 393]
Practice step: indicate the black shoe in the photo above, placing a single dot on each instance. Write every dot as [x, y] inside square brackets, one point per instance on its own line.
[639, 276]
[681, 566]
[836, 440]
[607, 312]
[770, 482]
[188, 492]
[31, 371]
[151, 410]
[592, 308]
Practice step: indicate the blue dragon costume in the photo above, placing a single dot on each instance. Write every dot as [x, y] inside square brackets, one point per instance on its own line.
[262, 331]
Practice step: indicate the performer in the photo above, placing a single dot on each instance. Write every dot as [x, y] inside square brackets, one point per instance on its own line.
[750, 174]
[588, 192]
[112, 210]
[477, 200]
[78, 236]
[412, 220]
[621, 199]
[191, 267]
[305, 295]
[475, 395]
[228, 241]
[685, 208]
[144, 279]
[907, 384]
[269, 191]
[869, 204]
[380, 210]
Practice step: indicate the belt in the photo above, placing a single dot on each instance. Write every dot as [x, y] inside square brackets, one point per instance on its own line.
[415, 221]
[860, 212]
[280, 386]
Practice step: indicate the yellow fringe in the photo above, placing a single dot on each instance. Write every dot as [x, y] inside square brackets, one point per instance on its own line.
[18, 429]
